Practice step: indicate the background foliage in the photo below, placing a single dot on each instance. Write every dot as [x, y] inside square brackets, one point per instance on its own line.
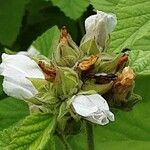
[22, 21]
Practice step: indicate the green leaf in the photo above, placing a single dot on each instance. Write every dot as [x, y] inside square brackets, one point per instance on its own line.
[133, 25]
[143, 42]
[11, 111]
[105, 5]
[72, 8]
[35, 133]
[47, 42]
[140, 62]
[11, 14]
[6, 135]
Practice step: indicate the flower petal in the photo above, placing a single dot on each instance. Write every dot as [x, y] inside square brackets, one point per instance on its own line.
[19, 66]
[99, 118]
[93, 107]
[98, 27]
[16, 69]
[19, 88]
[96, 21]
[98, 101]
[83, 106]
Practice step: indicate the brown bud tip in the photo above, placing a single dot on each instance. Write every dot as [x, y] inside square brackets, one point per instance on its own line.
[86, 64]
[122, 61]
[64, 35]
[49, 72]
[126, 77]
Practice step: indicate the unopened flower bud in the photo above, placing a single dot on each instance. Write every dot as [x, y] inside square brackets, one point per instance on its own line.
[99, 27]
[123, 85]
[90, 47]
[99, 88]
[107, 63]
[67, 52]
[66, 82]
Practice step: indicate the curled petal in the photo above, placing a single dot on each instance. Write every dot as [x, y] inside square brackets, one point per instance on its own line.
[86, 64]
[19, 88]
[16, 69]
[93, 107]
[99, 27]
[101, 19]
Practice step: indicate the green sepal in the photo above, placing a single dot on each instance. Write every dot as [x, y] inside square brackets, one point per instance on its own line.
[99, 88]
[132, 100]
[107, 63]
[10, 52]
[39, 83]
[66, 83]
[63, 110]
[89, 47]
[39, 57]
[82, 92]
[46, 99]
[67, 54]
[126, 104]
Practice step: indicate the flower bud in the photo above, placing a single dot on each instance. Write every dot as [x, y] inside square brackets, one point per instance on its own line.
[123, 85]
[48, 71]
[67, 52]
[87, 63]
[99, 27]
[90, 47]
[93, 108]
[107, 63]
[66, 82]
[99, 88]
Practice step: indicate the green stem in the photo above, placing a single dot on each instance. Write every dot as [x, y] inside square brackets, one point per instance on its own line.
[64, 141]
[90, 136]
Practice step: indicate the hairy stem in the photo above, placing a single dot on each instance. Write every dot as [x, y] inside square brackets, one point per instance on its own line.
[64, 141]
[90, 136]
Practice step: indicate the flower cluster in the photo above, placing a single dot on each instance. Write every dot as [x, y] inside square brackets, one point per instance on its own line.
[78, 82]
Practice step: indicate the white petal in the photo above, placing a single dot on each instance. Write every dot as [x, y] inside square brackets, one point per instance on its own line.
[16, 69]
[98, 118]
[17, 66]
[31, 52]
[110, 20]
[19, 88]
[99, 26]
[98, 101]
[110, 115]
[93, 107]
[83, 106]
[94, 21]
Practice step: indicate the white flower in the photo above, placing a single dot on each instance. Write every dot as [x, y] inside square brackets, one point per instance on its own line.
[99, 26]
[93, 107]
[16, 69]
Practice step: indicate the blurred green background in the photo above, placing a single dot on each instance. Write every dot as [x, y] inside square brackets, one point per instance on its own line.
[22, 21]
